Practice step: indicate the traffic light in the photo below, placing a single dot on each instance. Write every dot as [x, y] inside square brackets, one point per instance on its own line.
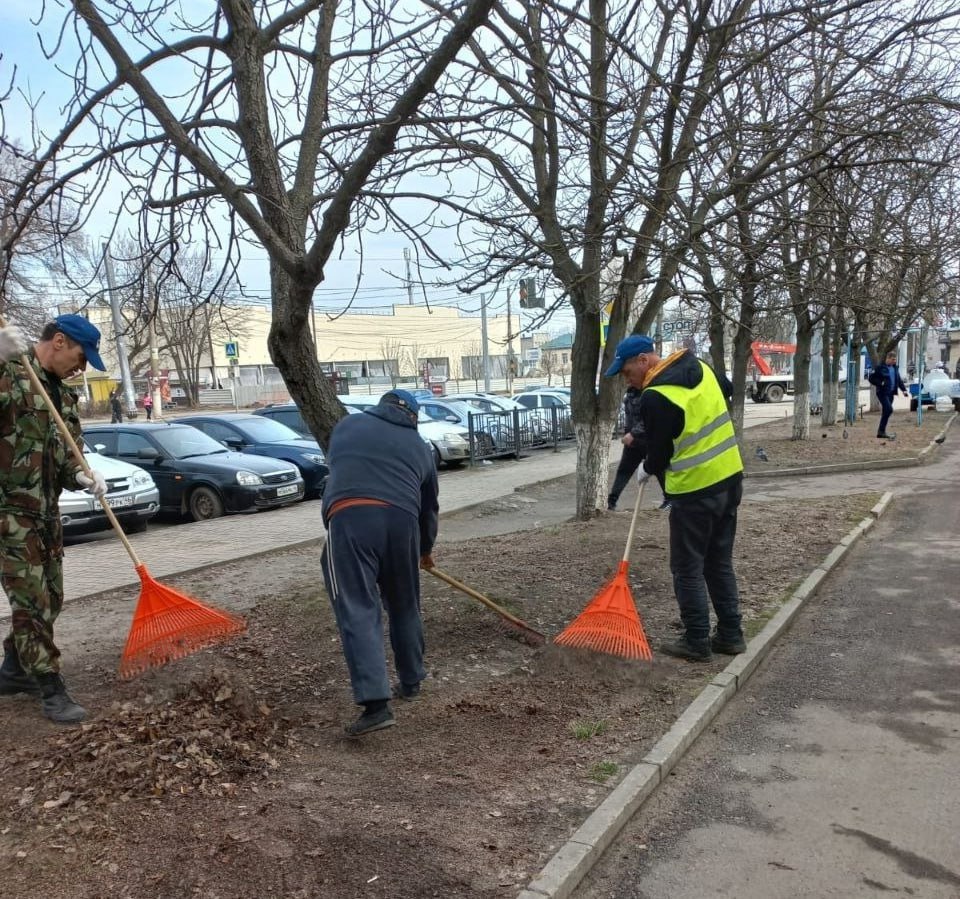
[528, 294]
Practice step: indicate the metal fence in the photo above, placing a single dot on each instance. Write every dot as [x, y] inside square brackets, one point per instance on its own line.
[510, 433]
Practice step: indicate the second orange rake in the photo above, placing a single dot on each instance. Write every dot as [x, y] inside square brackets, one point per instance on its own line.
[610, 623]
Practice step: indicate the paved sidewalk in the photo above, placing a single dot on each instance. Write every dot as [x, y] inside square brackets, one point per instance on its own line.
[833, 773]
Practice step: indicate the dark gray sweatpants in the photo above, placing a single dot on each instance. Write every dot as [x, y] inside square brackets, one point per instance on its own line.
[371, 562]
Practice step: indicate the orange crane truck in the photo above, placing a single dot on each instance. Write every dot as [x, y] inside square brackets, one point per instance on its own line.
[770, 386]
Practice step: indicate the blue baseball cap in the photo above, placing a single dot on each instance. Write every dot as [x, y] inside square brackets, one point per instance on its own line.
[77, 328]
[404, 399]
[629, 347]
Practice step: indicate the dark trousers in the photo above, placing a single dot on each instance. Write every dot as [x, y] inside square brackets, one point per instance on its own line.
[371, 562]
[702, 533]
[886, 410]
[630, 461]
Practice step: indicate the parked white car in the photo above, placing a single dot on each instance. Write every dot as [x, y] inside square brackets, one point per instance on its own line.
[448, 442]
[131, 493]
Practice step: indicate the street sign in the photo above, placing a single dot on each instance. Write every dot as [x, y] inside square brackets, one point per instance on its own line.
[231, 349]
[677, 326]
[532, 355]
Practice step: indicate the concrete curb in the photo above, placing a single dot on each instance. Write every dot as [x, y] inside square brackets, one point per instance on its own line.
[876, 465]
[573, 861]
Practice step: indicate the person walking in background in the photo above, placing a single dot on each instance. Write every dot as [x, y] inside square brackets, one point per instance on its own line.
[887, 381]
[380, 508]
[634, 442]
[35, 466]
[690, 440]
[116, 410]
[148, 404]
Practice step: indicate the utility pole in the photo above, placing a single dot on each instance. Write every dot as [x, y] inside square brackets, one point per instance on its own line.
[153, 384]
[406, 256]
[122, 360]
[510, 360]
[483, 338]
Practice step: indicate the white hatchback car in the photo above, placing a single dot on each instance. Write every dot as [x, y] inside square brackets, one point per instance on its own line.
[131, 493]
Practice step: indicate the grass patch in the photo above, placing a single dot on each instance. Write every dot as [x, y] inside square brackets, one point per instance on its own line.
[584, 730]
[601, 772]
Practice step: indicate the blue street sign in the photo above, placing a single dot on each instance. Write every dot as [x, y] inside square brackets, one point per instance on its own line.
[231, 349]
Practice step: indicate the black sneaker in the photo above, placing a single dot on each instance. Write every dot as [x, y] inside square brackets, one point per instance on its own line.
[407, 692]
[368, 722]
[728, 647]
[684, 649]
[664, 506]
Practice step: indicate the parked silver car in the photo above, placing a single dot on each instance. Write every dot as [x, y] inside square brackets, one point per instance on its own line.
[448, 441]
[131, 493]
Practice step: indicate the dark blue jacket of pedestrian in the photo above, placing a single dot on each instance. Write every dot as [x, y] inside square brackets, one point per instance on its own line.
[886, 378]
[380, 508]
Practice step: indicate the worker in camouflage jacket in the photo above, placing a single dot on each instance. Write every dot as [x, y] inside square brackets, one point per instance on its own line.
[35, 466]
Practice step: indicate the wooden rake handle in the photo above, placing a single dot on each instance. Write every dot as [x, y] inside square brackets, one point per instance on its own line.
[489, 603]
[38, 387]
[633, 524]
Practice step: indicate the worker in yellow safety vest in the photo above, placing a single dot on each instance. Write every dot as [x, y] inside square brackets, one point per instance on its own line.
[691, 443]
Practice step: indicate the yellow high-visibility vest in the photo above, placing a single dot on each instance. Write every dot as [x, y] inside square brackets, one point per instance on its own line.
[706, 451]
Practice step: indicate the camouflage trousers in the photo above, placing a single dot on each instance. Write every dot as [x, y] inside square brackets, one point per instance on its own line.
[31, 572]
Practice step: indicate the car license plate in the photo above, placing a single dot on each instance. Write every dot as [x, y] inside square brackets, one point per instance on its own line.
[286, 491]
[118, 502]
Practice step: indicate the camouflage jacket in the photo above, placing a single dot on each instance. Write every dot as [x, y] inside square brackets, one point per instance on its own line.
[35, 462]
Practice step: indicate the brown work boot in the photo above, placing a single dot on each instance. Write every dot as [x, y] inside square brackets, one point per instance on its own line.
[57, 704]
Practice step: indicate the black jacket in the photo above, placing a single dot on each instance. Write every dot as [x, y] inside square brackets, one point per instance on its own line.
[632, 423]
[379, 455]
[880, 378]
[663, 421]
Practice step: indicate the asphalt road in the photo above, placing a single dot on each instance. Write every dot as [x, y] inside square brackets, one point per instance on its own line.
[834, 773]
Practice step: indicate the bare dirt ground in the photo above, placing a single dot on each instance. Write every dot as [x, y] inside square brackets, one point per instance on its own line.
[227, 774]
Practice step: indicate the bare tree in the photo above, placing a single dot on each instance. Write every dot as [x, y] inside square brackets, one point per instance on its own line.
[283, 133]
[44, 245]
[391, 351]
[593, 119]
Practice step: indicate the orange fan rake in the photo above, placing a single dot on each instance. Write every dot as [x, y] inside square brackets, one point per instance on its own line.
[610, 622]
[167, 625]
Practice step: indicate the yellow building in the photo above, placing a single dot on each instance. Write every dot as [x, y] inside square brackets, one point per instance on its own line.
[399, 342]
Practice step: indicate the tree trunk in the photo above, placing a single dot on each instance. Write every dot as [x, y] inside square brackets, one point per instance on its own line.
[593, 467]
[801, 382]
[293, 352]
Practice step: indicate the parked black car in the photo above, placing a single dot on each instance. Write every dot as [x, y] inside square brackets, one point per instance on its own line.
[195, 475]
[287, 414]
[255, 434]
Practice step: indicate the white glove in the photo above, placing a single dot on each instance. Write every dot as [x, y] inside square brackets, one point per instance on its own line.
[95, 485]
[642, 475]
[12, 343]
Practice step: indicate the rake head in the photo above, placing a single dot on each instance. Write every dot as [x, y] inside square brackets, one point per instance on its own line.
[169, 625]
[610, 623]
